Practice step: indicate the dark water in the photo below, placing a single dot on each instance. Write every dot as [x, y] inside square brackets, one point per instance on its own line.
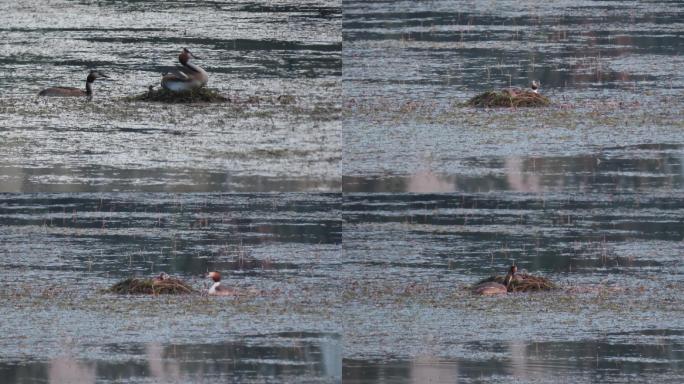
[59, 251]
[187, 234]
[449, 48]
[250, 49]
[655, 358]
[273, 358]
[640, 168]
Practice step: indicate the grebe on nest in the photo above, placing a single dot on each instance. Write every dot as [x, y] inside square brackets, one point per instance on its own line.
[493, 288]
[187, 77]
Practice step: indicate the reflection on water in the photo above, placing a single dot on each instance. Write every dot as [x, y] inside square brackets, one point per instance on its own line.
[304, 357]
[437, 234]
[444, 48]
[634, 168]
[658, 357]
[77, 179]
[123, 234]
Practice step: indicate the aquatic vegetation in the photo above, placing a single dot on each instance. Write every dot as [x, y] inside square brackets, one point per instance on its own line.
[200, 95]
[509, 98]
[168, 286]
[524, 283]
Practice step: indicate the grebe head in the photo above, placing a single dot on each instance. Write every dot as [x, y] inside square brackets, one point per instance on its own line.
[186, 55]
[95, 74]
[161, 277]
[535, 86]
[214, 276]
[513, 270]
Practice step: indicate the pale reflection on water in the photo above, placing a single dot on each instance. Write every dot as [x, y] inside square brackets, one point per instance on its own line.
[635, 168]
[66, 369]
[279, 358]
[546, 362]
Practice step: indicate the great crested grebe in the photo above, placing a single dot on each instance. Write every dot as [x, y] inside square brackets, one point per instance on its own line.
[70, 91]
[535, 86]
[494, 288]
[187, 77]
[515, 92]
[217, 289]
[163, 276]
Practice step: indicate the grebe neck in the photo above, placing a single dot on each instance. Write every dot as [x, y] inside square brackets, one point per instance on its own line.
[214, 287]
[192, 66]
[507, 280]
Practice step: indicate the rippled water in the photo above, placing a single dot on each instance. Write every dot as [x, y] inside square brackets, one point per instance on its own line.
[59, 251]
[586, 192]
[640, 168]
[273, 358]
[256, 50]
[367, 287]
[609, 67]
[607, 361]
[616, 257]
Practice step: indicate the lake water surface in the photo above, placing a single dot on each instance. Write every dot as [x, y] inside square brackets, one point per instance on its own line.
[587, 192]
[611, 69]
[413, 257]
[279, 63]
[59, 252]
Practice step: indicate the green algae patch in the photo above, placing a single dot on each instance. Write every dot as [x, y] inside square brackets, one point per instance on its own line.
[133, 286]
[200, 95]
[523, 283]
[509, 98]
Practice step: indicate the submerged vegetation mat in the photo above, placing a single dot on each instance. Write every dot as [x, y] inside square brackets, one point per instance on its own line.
[200, 95]
[524, 283]
[509, 98]
[133, 286]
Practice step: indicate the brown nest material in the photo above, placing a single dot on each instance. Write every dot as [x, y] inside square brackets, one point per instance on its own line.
[168, 286]
[523, 282]
[200, 95]
[509, 98]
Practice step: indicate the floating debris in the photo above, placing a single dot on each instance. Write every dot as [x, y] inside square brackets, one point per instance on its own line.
[162, 285]
[509, 98]
[199, 95]
[523, 282]
[287, 99]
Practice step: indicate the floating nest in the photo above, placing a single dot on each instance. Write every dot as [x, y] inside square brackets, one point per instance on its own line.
[200, 95]
[524, 283]
[168, 286]
[509, 98]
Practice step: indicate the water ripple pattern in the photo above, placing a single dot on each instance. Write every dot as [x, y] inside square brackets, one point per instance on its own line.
[280, 64]
[610, 68]
[411, 258]
[60, 251]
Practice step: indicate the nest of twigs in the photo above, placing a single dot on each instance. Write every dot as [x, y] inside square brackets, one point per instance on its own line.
[133, 286]
[523, 282]
[509, 98]
[199, 95]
